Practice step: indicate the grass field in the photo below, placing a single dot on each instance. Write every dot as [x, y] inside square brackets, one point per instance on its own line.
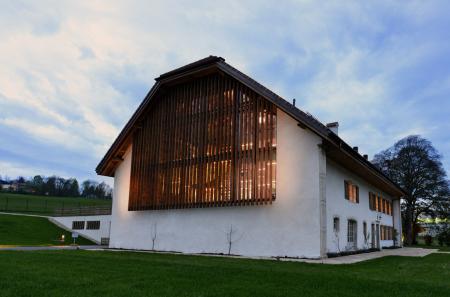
[44, 205]
[440, 248]
[27, 231]
[96, 273]
[434, 245]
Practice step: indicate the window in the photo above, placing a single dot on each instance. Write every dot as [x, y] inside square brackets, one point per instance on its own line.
[351, 233]
[77, 225]
[372, 201]
[93, 225]
[386, 232]
[365, 230]
[351, 191]
[336, 224]
[378, 203]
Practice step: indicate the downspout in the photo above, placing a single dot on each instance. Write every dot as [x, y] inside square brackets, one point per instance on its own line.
[323, 200]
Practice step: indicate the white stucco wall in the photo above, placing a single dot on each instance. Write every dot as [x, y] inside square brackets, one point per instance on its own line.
[94, 235]
[338, 206]
[288, 227]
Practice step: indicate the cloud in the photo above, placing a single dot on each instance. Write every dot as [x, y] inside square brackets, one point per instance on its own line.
[73, 72]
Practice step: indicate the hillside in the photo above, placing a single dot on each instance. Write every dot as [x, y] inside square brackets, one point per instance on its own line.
[32, 231]
[47, 205]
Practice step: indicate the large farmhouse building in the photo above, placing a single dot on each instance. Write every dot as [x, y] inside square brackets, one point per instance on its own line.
[214, 162]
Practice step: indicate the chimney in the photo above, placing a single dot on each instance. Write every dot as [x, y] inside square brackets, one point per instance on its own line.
[333, 127]
[293, 102]
[366, 157]
[355, 148]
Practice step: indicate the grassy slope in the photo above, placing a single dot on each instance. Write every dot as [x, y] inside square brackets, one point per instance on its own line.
[38, 205]
[23, 230]
[88, 273]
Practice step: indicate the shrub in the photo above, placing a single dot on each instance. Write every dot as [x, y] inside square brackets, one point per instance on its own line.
[348, 253]
[428, 239]
[444, 237]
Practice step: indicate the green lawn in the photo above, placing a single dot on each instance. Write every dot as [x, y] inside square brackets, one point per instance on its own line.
[96, 273]
[44, 205]
[27, 231]
[440, 248]
[434, 245]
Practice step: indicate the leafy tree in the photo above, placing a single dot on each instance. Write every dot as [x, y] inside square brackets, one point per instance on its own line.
[37, 184]
[93, 189]
[71, 188]
[74, 188]
[415, 165]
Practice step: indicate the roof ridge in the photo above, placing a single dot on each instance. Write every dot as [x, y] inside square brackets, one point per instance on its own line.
[199, 63]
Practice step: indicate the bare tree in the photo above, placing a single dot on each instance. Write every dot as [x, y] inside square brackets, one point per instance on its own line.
[336, 240]
[231, 238]
[154, 234]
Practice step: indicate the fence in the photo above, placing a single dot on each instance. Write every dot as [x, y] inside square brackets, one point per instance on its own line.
[53, 207]
[83, 211]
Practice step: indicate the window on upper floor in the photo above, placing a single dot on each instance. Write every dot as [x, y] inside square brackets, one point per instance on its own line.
[351, 191]
[378, 203]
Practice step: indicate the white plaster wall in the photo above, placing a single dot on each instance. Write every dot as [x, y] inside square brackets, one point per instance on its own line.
[338, 206]
[398, 220]
[94, 235]
[288, 227]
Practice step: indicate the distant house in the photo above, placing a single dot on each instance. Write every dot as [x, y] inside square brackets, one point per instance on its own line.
[5, 185]
[214, 162]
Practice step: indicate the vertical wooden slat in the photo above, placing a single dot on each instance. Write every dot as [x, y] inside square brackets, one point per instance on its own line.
[207, 142]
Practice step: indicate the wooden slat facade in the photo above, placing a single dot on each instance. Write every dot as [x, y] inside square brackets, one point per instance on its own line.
[205, 143]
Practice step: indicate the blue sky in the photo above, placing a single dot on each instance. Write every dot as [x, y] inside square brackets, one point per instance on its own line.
[73, 72]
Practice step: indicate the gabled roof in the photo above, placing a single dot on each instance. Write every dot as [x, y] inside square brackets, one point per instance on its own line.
[336, 148]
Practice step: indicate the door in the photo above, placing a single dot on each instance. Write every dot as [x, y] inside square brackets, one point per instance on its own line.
[377, 232]
[352, 234]
[372, 234]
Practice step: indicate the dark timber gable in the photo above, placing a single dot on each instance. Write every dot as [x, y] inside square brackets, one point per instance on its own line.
[208, 141]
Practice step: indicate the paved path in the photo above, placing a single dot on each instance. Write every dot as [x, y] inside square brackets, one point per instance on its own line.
[22, 214]
[50, 248]
[406, 252]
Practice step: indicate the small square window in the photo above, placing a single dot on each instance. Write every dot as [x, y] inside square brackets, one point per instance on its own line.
[93, 225]
[336, 224]
[77, 225]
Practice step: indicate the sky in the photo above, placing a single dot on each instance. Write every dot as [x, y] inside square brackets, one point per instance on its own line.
[73, 72]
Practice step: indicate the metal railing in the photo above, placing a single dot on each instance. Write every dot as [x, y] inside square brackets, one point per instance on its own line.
[83, 211]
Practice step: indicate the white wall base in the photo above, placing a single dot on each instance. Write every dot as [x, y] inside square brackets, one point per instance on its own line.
[93, 235]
